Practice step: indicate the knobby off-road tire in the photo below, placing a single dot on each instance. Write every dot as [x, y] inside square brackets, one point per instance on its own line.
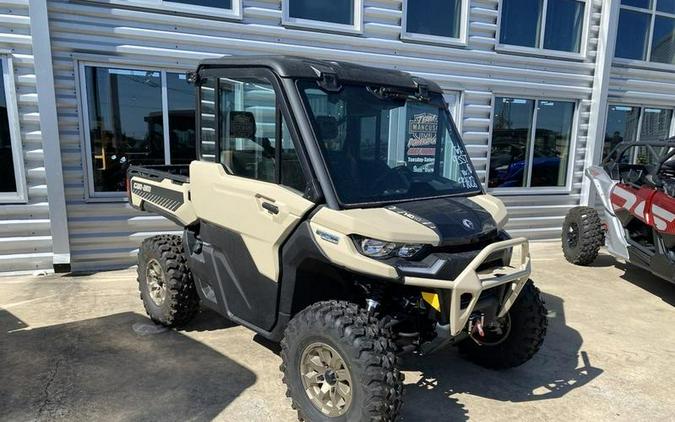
[526, 334]
[366, 350]
[582, 235]
[165, 281]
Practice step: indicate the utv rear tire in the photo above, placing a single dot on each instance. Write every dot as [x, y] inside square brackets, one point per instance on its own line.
[367, 353]
[582, 235]
[165, 281]
[527, 318]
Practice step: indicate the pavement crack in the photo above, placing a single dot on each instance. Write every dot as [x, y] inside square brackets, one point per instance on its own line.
[45, 391]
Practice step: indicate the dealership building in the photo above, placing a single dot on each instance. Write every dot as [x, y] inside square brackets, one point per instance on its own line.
[539, 89]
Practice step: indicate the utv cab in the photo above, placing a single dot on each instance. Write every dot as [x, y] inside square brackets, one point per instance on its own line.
[334, 208]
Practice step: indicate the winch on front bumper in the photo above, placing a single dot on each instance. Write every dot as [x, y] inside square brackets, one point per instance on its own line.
[456, 299]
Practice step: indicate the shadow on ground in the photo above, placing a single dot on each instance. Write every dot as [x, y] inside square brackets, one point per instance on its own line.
[552, 373]
[639, 277]
[101, 368]
[648, 282]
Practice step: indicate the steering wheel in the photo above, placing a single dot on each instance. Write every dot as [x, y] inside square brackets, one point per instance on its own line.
[397, 177]
[633, 175]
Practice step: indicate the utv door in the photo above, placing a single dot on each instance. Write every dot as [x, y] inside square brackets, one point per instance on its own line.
[247, 192]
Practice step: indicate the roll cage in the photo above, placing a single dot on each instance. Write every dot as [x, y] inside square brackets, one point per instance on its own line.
[626, 168]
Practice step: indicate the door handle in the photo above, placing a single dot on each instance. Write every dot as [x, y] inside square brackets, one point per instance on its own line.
[271, 208]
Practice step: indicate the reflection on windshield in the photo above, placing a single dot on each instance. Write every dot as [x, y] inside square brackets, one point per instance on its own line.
[387, 148]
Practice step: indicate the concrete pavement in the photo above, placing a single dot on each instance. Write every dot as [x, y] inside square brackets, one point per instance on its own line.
[79, 347]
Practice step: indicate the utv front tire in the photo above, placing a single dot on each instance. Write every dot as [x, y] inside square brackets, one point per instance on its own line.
[339, 364]
[523, 337]
[165, 282]
[582, 235]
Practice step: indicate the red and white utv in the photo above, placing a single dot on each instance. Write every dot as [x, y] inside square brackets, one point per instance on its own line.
[636, 185]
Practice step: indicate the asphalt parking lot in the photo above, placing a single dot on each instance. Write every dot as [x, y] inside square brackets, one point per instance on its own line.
[79, 347]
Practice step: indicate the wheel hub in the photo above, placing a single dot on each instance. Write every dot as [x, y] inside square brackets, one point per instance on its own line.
[494, 333]
[326, 379]
[154, 276]
[330, 377]
[572, 235]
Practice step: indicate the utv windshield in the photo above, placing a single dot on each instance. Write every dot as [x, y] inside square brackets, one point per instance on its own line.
[383, 145]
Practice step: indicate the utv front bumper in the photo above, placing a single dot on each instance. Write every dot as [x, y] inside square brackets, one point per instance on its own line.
[472, 281]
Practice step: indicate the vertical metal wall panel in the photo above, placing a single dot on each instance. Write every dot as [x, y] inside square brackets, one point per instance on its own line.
[107, 234]
[25, 236]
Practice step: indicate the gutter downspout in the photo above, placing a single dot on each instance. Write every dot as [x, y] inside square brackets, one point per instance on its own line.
[49, 129]
[609, 23]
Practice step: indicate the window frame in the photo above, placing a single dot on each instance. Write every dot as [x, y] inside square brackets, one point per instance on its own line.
[535, 190]
[638, 129]
[647, 63]
[90, 194]
[236, 12]
[459, 107]
[260, 73]
[300, 23]
[20, 196]
[461, 41]
[540, 50]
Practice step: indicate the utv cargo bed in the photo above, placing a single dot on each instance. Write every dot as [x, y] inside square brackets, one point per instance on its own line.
[164, 190]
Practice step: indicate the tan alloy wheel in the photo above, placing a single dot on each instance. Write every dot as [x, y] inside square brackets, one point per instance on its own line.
[154, 277]
[326, 379]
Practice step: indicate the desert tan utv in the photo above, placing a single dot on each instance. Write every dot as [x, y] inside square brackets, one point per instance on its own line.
[333, 208]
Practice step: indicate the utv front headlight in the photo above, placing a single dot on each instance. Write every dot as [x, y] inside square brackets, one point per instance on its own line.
[374, 248]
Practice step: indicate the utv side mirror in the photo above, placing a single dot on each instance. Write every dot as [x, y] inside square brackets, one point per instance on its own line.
[192, 78]
[242, 124]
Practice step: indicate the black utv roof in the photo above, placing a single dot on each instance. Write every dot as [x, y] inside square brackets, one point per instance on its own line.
[302, 67]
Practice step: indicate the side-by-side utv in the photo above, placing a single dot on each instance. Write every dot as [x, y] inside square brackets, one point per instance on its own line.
[636, 187]
[334, 208]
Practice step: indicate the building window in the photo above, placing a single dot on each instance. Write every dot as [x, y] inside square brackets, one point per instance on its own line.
[331, 15]
[531, 143]
[442, 21]
[633, 123]
[647, 31]
[208, 8]
[454, 100]
[220, 4]
[12, 179]
[180, 97]
[134, 116]
[548, 24]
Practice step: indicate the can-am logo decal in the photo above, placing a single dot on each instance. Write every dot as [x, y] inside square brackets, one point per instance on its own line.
[413, 217]
[468, 224]
[141, 187]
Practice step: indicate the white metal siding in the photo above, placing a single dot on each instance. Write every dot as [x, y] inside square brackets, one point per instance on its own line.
[106, 234]
[25, 237]
[642, 86]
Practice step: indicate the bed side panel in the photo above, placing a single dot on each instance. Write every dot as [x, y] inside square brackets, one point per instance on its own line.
[165, 197]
